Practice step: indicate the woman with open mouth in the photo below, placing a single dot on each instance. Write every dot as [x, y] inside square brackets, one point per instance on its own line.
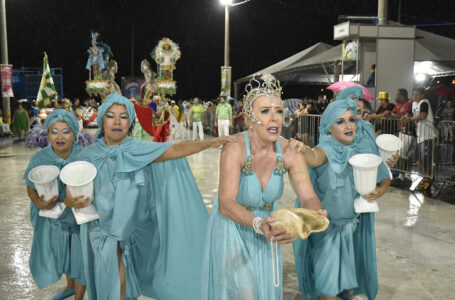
[148, 239]
[242, 255]
[341, 260]
[56, 246]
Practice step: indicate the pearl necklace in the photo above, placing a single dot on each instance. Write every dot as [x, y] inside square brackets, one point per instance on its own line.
[275, 264]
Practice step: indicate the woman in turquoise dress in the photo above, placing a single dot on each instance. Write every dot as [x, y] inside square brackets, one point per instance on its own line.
[56, 246]
[341, 260]
[242, 258]
[149, 237]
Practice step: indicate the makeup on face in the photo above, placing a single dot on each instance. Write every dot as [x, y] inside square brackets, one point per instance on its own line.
[115, 124]
[269, 113]
[61, 137]
[344, 128]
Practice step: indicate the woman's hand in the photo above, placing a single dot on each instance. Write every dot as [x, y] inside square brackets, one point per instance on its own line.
[279, 236]
[371, 197]
[322, 212]
[43, 204]
[392, 161]
[298, 146]
[223, 140]
[380, 190]
[76, 202]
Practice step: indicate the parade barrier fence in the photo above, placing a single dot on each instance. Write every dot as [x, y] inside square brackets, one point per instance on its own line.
[428, 150]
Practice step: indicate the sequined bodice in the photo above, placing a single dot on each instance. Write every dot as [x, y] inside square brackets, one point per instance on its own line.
[250, 190]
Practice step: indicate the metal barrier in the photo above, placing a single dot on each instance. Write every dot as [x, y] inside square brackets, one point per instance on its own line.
[445, 166]
[428, 149]
[308, 129]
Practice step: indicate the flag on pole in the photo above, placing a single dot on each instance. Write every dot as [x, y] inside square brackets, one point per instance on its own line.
[47, 88]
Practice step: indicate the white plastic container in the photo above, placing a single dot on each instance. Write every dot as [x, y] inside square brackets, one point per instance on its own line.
[365, 168]
[388, 145]
[78, 177]
[45, 179]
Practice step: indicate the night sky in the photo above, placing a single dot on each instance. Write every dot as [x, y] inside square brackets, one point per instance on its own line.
[263, 32]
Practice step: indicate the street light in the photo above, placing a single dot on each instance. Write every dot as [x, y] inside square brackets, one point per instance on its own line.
[226, 4]
[226, 69]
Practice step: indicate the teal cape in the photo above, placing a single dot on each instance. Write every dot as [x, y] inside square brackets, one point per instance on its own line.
[50, 256]
[154, 212]
[344, 255]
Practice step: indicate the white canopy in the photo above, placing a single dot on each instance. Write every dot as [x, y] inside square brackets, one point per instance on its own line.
[434, 55]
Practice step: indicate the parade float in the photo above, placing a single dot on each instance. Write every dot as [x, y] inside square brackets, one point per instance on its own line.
[153, 110]
[166, 54]
[101, 69]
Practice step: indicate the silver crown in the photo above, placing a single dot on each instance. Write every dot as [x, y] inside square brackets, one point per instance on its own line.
[260, 85]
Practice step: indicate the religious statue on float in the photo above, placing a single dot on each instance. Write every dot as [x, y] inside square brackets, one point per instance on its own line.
[166, 55]
[111, 70]
[148, 88]
[101, 68]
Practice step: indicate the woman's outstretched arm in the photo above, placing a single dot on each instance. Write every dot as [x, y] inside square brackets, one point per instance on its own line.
[186, 148]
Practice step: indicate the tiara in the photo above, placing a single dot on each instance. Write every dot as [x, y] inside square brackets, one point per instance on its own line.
[260, 85]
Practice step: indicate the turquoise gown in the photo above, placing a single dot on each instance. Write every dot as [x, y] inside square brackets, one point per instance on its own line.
[154, 212]
[238, 261]
[344, 256]
[50, 256]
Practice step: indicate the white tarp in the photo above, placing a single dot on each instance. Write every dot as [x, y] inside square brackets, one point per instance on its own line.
[434, 55]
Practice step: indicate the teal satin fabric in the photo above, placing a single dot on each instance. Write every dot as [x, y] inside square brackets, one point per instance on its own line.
[154, 212]
[238, 261]
[344, 255]
[50, 256]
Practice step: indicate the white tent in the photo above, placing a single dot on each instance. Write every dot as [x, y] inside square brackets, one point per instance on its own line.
[295, 59]
[434, 56]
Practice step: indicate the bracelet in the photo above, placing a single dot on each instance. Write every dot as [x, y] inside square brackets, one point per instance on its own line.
[257, 221]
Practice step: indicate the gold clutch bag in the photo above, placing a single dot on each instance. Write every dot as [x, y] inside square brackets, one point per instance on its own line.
[299, 222]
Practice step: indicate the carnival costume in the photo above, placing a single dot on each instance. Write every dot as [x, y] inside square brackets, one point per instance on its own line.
[147, 90]
[52, 254]
[342, 257]
[237, 260]
[102, 69]
[96, 57]
[364, 129]
[157, 226]
[166, 54]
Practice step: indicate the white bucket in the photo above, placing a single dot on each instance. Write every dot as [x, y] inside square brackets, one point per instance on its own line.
[388, 145]
[45, 179]
[365, 169]
[78, 177]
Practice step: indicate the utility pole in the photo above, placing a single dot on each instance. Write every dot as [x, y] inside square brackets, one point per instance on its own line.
[132, 49]
[4, 41]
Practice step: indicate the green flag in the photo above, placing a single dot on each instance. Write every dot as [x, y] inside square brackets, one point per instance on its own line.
[47, 88]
